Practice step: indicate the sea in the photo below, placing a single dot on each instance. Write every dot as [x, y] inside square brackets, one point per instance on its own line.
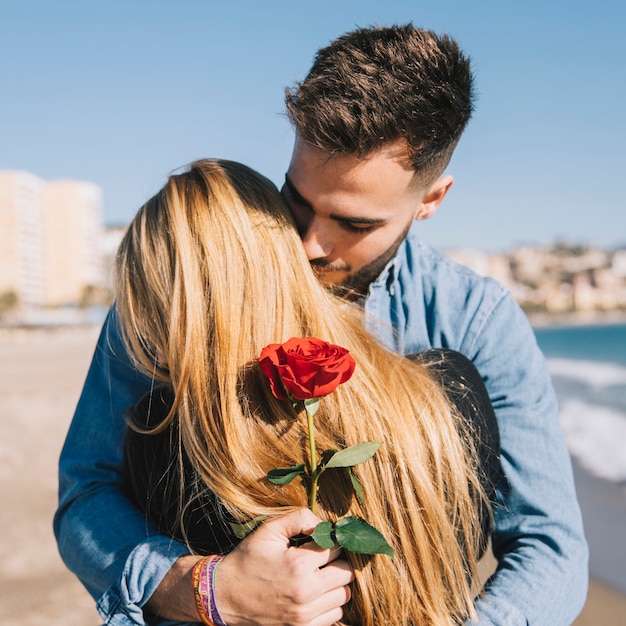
[588, 368]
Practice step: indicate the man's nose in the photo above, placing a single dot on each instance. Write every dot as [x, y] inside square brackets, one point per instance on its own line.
[317, 240]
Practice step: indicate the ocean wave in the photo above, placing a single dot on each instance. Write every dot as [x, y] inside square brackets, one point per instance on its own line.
[595, 435]
[592, 411]
[596, 374]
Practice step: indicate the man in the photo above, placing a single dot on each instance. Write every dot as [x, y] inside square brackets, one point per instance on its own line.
[376, 120]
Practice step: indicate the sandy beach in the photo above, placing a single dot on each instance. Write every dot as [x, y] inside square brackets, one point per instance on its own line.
[41, 375]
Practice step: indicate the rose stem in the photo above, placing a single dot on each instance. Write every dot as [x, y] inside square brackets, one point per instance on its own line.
[314, 476]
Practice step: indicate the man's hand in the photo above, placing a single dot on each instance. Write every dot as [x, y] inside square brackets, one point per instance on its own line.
[264, 581]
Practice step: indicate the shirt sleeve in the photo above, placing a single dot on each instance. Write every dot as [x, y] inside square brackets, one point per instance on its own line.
[538, 539]
[102, 537]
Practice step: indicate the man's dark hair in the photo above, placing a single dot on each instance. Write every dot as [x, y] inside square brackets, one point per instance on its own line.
[376, 85]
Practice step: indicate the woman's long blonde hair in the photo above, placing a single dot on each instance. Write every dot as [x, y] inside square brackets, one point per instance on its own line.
[210, 271]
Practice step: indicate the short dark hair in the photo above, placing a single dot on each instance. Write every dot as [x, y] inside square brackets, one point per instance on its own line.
[376, 85]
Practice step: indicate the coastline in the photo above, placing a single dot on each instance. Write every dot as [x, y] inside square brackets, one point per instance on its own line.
[580, 318]
[603, 506]
[604, 607]
[41, 375]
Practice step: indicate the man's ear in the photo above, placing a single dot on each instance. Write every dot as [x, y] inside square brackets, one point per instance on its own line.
[434, 197]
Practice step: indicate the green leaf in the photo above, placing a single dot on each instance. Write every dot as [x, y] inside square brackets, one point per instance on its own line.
[323, 535]
[354, 455]
[356, 535]
[284, 475]
[356, 485]
[245, 528]
[311, 405]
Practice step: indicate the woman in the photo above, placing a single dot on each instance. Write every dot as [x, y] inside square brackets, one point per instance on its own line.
[211, 271]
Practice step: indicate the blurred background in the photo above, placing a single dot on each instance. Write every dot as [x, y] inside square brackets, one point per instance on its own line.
[101, 101]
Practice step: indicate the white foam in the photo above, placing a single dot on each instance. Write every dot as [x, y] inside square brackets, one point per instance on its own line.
[598, 374]
[596, 436]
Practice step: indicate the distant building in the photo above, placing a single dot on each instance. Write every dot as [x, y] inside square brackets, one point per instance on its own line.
[619, 263]
[50, 240]
[556, 279]
[73, 227]
[21, 238]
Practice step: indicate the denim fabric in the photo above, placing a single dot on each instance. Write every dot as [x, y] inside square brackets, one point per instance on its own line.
[422, 300]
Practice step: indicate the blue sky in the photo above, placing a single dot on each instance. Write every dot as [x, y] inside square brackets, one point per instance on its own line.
[121, 92]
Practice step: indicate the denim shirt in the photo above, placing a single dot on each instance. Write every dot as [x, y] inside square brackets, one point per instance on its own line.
[421, 300]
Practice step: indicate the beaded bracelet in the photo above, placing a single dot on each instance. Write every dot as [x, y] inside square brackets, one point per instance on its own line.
[203, 579]
[211, 569]
[199, 586]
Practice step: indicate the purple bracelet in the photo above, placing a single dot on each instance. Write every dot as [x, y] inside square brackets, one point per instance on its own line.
[216, 618]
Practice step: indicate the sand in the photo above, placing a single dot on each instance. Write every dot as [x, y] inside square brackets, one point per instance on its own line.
[41, 375]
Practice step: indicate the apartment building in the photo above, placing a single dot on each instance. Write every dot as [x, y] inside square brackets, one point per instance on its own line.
[50, 239]
[73, 227]
[21, 238]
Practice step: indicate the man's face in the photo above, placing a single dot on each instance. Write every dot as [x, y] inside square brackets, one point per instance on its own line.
[352, 214]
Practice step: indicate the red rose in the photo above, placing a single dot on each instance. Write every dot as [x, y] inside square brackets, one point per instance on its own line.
[305, 368]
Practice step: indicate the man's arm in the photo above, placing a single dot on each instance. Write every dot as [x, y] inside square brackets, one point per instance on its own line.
[121, 559]
[101, 537]
[538, 540]
[264, 581]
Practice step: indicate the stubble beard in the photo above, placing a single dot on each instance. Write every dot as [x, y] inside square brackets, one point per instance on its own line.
[355, 286]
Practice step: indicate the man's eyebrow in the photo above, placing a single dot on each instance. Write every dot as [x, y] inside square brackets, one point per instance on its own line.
[369, 221]
[372, 221]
